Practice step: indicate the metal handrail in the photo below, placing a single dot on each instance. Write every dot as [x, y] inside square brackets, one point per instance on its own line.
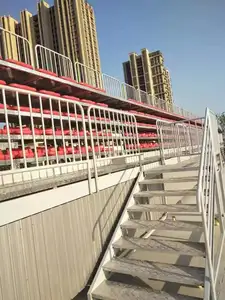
[179, 138]
[53, 61]
[89, 75]
[118, 131]
[23, 50]
[46, 133]
[210, 199]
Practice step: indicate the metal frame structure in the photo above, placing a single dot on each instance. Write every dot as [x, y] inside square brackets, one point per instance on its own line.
[48, 132]
[50, 60]
[63, 66]
[211, 197]
[180, 138]
[117, 138]
[88, 75]
[45, 135]
[16, 43]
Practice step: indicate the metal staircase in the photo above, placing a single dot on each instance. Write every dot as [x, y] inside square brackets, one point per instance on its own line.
[163, 247]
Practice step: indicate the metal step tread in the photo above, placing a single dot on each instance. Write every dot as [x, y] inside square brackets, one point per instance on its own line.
[159, 246]
[162, 225]
[191, 192]
[170, 169]
[169, 180]
[156, 271]
[163, 208]
[179, 236]
[111, 290]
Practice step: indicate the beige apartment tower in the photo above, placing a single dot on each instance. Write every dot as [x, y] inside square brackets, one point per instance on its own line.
[77, 34]
[68, 27]
[148, 73]
[9, 42]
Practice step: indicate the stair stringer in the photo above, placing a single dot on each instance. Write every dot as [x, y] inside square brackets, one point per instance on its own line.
[109, 254]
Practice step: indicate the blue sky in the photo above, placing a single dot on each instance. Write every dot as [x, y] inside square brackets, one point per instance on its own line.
[190, 33]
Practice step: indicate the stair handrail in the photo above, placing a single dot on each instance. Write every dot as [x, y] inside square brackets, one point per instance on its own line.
[179, 138]
[210, 199]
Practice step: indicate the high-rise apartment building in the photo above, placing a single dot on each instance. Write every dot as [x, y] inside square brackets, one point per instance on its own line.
[76, 30]
[8, 41]
[68, 27]
[148, 73]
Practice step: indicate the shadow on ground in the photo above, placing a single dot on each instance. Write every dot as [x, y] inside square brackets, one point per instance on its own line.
[82, 295]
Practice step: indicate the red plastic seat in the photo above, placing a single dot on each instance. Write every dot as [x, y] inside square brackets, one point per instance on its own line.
[2, 82]
[38, 131]
[69, 150]
[66, 132]
[71, 98]
[83, 149]
[75, 132]
[99, 148]
[22, 86]
[87, 101]
[61, 151]
[36, 110]
[55, 113]
[81, 133]
[68, 79]
[58, 131]
[47, 72]
[26, 130]
[100, 90]
[2, 106]
[24, 108]
[47, 111]
[49, 131]
[4, 130]
[102, 104]
[2, 155]
[50, 93]
[133, 112]
[86, 84]
[28, 152]
[19, 63]
[76, 116]
[51, 151]
[41, 151]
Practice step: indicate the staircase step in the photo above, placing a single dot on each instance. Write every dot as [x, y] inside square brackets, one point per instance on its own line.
[173, 208]
[156, 271]
[170, 169]
[169, 180]
[174, 193]
[162, 225]
[111, 290]
[180, 236]
[160, 246]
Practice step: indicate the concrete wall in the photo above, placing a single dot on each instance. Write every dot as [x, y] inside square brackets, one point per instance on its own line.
[51, 254]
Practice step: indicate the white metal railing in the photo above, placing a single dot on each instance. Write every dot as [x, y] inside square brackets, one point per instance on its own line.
[112, 86]
[45, 134]
[88, 75]
[180, 138]
[116, 137]
[40, 131]
[16, 47]
[211, 201]
[50, 60]
[19, 48]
